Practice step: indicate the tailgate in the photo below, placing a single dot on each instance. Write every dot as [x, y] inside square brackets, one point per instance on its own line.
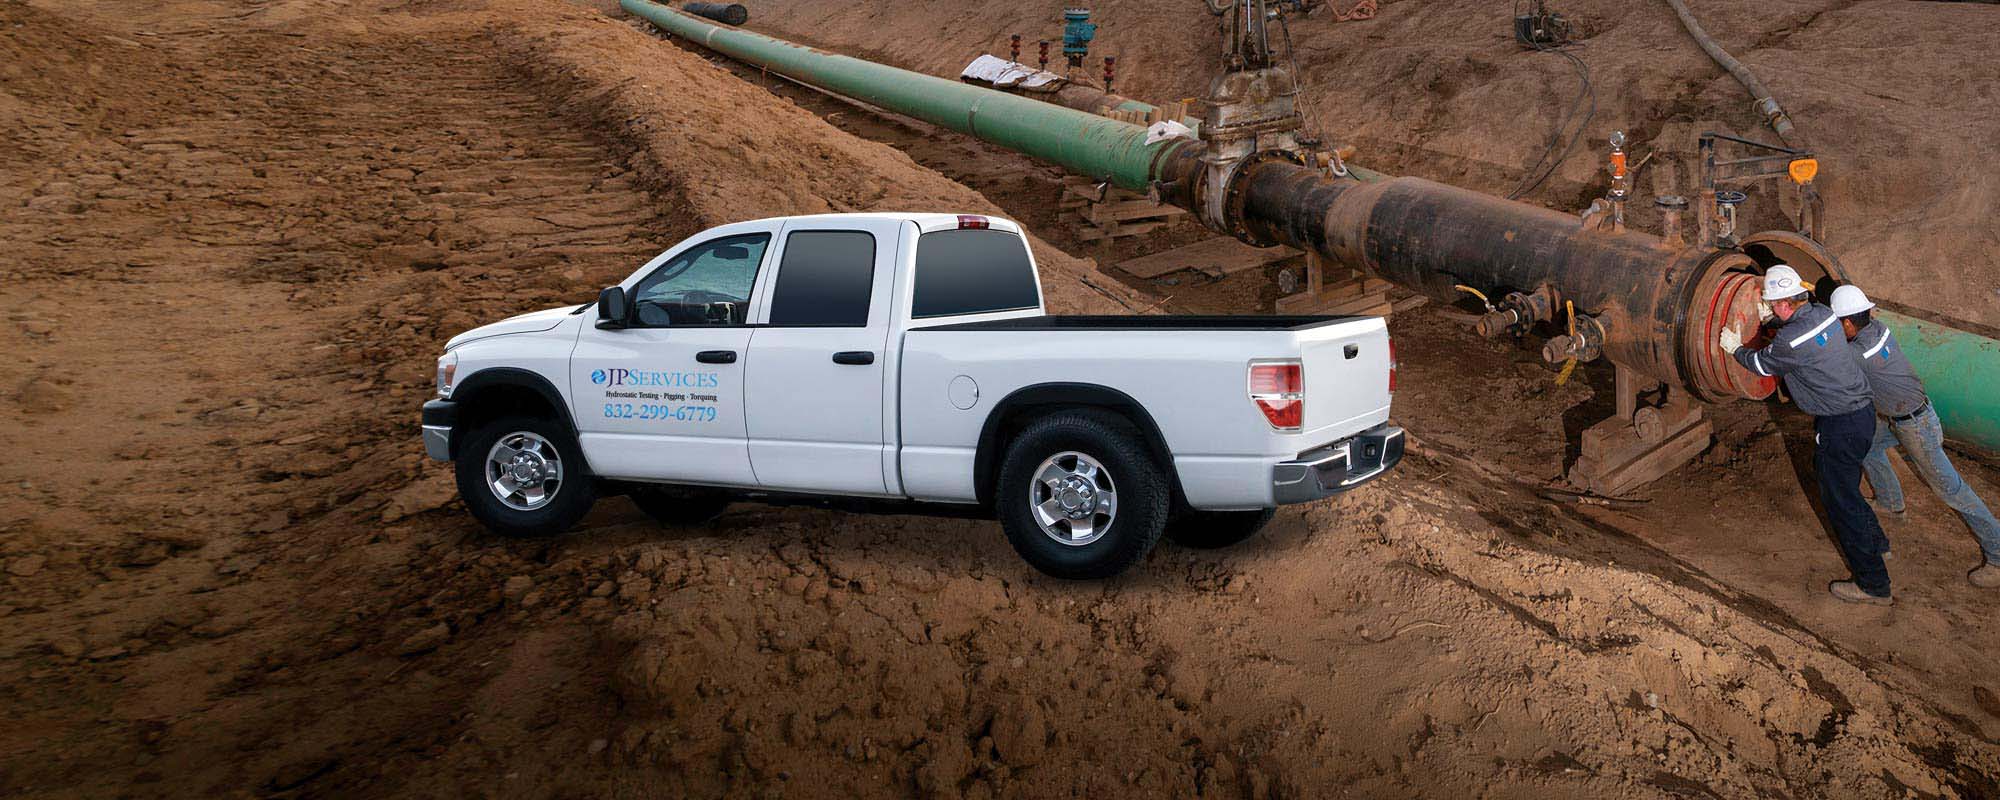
[1346, 376]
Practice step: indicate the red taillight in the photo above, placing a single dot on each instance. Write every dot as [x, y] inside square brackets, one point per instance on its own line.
[1392, 366]
[971, 222]
[1278, 389]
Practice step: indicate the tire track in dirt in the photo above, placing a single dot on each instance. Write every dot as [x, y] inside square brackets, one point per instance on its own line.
[227, 317]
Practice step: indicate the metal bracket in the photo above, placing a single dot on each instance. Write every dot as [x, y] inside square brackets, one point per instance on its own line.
[1772, 161]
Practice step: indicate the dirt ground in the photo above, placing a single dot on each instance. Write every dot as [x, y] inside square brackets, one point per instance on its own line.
[237, 233]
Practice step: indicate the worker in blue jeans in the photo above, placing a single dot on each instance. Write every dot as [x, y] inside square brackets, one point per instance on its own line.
[1909, 420]
[1825, 380]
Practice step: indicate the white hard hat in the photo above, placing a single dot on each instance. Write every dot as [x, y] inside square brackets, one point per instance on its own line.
[1849, 301]
[1782, 283]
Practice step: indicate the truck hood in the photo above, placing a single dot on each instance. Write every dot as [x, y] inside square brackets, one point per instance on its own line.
[530, 322]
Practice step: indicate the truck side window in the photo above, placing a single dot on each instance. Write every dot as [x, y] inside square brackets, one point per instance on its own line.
[707, 285]
[972, 271]
[824, 279]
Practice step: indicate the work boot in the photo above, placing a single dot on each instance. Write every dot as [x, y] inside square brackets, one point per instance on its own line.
[1986, 577]
[1849, 591]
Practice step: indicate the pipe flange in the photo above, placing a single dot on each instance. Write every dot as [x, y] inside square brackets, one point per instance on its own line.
[1237, 192]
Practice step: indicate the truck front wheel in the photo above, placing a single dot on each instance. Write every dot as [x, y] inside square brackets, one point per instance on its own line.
[1080, 495]
[524, 476]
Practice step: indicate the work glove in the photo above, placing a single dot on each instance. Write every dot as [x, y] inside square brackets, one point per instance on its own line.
[1764, 310]
[1730, 340]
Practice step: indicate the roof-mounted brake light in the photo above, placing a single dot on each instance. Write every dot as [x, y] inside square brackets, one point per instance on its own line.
[973, 222]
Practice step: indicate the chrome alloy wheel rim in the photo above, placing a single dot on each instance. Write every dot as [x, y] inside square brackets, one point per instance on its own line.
[1073, 498]
[524, 470]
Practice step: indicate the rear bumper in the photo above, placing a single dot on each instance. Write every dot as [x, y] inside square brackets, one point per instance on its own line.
[1338, 467]
[439, 417]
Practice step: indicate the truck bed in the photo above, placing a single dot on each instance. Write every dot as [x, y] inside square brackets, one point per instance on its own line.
[1189, 375]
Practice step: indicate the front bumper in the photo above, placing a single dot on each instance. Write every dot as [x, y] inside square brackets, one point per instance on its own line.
[1338, 467]
[439, 417]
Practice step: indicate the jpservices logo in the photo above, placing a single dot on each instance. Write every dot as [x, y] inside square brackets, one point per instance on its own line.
[616, 376]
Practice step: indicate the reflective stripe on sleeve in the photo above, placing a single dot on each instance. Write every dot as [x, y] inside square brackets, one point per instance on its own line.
[1814, 332]
[1878, 346]
[1756, 361]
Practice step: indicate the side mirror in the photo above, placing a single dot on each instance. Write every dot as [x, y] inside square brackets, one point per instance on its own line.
[612, 310]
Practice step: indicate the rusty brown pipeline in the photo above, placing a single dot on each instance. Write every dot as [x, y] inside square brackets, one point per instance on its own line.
[1660, 305]
[726, 13]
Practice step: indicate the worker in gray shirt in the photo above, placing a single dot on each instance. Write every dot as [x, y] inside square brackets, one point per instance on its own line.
[1909, 421]
[1824, 379]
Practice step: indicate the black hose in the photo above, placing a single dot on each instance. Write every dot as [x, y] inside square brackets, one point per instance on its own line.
[1586, 101]
[1766, 104]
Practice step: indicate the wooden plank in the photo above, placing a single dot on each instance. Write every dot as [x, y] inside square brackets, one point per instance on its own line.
[1090, 234]
[1351, 292]
[1088, 191]
[1221, 253]
[1353, 288]
[1372, 305]
[1303, 303]
[1410, 302]
[1131, 209]
[1615, 461]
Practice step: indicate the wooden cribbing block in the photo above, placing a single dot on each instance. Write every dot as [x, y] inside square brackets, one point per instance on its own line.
[1223, 255]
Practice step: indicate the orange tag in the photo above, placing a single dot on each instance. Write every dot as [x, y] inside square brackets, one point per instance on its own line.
[1803, 170]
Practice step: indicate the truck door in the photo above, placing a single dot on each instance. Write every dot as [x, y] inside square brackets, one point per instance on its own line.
[662, 398]
[815, 386]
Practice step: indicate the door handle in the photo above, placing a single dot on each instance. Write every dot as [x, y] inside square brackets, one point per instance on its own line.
[716, 356]
[856, 357]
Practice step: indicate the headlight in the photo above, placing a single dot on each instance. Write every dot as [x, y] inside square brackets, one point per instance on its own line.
[447, 370]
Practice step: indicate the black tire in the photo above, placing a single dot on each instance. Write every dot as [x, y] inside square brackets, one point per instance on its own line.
[680, 509]
[1211, 530]
[573, 493]
[1139, 482]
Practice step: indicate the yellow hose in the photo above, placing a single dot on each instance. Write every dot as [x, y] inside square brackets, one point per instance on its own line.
[1570, 365]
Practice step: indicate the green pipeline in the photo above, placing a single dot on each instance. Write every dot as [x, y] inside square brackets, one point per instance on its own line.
[1083, 143]
[1961, 373]
[1960, 369]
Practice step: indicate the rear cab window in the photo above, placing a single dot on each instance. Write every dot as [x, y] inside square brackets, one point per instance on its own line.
[825, 279]
[972, 271]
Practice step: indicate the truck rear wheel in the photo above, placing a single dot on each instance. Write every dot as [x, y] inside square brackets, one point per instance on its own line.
[1210, 530]
[1080, 495]
[524, 476]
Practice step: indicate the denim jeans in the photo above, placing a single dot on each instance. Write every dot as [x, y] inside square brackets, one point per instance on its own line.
[1843, 443]
[1922, 440]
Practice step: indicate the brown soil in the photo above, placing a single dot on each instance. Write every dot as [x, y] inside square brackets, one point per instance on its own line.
[237, 235]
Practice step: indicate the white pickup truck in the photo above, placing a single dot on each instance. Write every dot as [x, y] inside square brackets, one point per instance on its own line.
[905, 360]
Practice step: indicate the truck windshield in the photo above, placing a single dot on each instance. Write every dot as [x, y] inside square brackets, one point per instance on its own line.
[972, 271]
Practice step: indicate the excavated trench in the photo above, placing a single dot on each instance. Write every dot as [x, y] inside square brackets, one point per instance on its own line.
[288, 210]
